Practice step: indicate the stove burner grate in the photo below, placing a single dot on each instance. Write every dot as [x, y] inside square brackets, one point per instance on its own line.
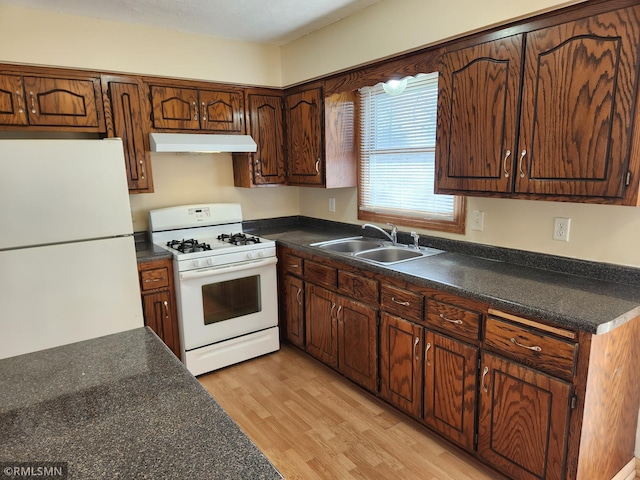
[188, 246]
[238, 239]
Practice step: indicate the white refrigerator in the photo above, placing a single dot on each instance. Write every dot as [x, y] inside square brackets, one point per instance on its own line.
[67, 256]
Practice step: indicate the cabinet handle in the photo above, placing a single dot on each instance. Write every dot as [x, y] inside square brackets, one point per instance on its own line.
[295, 265]
[142, 172]
[195, 111]
[535, 348]
[19, 98]
[485, 370]
[406, 304]
[426, 353]
[338, 313]
[151, 280]
[415, 344]
[457, 322]
[318, 167]
[504, 163]
[333, 307]
[298, 297]
[204, 113]
[33, 103]
[524, 152]
[166, 309]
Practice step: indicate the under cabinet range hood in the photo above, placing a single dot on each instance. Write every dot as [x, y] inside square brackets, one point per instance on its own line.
[200, 143]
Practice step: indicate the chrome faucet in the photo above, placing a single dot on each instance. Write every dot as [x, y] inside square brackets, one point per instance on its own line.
[393, 236]
[416, 239]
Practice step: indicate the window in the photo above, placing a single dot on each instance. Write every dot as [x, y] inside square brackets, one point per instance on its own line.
[397, 158]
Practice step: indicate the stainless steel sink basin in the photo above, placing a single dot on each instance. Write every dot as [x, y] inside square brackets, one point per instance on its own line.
[375, 251]
[349, 245]
[390, 254]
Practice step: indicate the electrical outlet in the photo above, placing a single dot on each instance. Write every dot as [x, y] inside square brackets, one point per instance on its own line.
[332, 204]
[477, 220]
[561, 227]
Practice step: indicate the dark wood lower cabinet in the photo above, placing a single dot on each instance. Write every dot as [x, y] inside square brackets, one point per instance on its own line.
[401, 363]
[294, 308]
[523, 420]
[158, 301]
[357, 342]
[450, 372]
[321, 325]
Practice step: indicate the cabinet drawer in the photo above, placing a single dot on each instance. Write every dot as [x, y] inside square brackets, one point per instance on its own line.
[358, 287]
[320, 274]
[292, 264]
[401, 302]
[154, 278]
[454, 320]
[532, 347]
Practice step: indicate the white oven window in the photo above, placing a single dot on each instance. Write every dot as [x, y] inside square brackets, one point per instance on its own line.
[231, 299]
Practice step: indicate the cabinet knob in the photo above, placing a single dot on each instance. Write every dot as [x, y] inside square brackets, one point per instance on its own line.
[485, 370]
[19, 98]
[33, 103]
[522, 155]
[507, 154]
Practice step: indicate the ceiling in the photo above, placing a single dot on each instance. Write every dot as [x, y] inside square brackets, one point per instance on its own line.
[274, 22]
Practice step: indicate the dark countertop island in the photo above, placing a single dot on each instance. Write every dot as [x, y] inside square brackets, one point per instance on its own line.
[567, 300]
[119, 406]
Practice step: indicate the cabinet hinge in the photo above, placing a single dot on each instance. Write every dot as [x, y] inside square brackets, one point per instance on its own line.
[574, 402]
[628, 178]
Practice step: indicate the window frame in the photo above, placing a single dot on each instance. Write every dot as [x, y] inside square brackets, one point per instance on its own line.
[457, 225]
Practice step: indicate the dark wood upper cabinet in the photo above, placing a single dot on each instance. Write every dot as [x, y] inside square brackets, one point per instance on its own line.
[304, 137]
[183, 108]
[12, 103]
[43, 102]
[575, 126]
[574, 117]
[129, 123]
[477, 116]
[265, 123]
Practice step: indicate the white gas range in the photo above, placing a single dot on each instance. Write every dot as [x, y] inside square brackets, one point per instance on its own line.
[226, 285]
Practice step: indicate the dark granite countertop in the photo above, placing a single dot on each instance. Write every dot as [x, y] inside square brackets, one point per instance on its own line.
[119, 406]
[566, 300]
[148, 252]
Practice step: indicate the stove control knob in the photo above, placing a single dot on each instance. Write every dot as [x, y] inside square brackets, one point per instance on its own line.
[209, 261]
[250, 255]
[261, 254]
[196, 263]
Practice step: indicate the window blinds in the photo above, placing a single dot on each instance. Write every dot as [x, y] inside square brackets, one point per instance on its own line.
[397, 151]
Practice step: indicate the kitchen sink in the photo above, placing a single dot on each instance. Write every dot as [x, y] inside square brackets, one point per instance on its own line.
[349, 245]
[389, 254]
[375, 251]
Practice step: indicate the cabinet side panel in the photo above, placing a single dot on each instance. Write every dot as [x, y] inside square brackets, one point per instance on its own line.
[611, 403]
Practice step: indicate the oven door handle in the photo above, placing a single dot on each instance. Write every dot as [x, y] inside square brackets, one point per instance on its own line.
[207, 272]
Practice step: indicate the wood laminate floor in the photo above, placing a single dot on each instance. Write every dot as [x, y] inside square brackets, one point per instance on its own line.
[314, 424]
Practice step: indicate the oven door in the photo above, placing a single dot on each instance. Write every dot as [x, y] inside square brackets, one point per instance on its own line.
[220, 303]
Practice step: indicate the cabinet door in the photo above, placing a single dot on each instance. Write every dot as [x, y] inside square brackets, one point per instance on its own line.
[304, 137]
[401, 363]
[357, 342]
[450, 368]
[321, 324]
[159, 315]
[523, 420]
[294, 294]
[221, 111]
[12, 102]
[128, 125]
[578, 85]
[477, 116]
[266, 128]
[64, 102]
[175, 108]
